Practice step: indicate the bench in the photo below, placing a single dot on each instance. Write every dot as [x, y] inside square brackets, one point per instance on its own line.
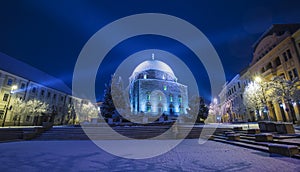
[253, 131]
[264, 137]
[237, 128]
[285, 150]
[234, 137]
[285, 128]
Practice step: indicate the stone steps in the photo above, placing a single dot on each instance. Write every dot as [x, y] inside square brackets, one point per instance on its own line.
[248, 141]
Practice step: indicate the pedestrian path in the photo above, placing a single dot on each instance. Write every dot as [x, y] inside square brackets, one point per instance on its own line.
[84, 155]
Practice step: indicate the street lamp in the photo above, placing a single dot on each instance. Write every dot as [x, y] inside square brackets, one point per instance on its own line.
[259, 80]
[14, 87]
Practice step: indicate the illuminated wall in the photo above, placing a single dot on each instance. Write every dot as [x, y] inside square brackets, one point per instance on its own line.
[156, 91]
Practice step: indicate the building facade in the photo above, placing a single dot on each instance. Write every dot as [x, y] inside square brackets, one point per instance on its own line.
[232, 107]
[276, 53]
[153, 89]
[20, 81]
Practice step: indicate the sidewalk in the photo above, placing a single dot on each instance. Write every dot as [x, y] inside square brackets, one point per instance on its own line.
[187, 156]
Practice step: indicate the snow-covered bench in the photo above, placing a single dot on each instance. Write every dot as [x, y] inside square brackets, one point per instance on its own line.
[286, 150]
[263, 137]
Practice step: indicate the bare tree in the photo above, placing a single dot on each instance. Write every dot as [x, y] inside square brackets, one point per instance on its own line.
[286, 91]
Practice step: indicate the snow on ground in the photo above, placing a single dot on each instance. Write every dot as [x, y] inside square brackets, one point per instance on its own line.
[187, 156]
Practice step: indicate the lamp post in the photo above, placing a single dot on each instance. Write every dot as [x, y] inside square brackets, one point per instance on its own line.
[259, 80]
[14, 87]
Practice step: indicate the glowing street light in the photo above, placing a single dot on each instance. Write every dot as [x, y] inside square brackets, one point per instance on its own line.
[258, 79]
[14, 87]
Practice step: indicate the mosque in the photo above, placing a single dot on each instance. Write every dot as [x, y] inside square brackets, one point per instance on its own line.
[154, 89]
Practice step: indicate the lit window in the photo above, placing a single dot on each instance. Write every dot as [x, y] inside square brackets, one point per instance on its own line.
[148, 107]
[164, 77]
[180, 99]
[171, 98]
[145, 76]
[159, 97]
[165, 87]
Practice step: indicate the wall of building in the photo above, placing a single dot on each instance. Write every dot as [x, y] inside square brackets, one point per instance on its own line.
[59, 102]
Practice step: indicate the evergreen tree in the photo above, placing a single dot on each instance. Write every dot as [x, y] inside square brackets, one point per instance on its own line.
[114, 101]
[107, 107]
[198, 110]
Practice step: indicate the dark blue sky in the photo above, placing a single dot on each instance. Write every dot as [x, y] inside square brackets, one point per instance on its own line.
[49, 35]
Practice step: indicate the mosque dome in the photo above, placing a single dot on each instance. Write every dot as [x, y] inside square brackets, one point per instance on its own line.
[153, 65]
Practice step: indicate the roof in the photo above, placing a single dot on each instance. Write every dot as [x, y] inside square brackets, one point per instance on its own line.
[153, 64]
[278, 29]
[26, 71]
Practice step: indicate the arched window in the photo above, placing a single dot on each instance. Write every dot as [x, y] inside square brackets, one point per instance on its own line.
[148, 96]
[179, 99]
[148, 107]
[171, 98]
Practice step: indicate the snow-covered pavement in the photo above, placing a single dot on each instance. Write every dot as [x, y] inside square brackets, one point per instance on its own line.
[187, 156]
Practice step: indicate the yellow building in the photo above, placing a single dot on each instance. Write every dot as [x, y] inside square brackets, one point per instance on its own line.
[276, 53]
[20, 81]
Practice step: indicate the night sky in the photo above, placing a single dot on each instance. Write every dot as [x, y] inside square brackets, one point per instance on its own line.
[49, 35]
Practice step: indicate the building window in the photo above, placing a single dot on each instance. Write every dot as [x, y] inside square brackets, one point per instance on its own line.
[54, 96]
[48, 94]
[171, 98]
[269, 66]
[148, 107]
[42, 92]
[291, 75]
[27, 118]
[61, 98]
[282, 75]
[239, 85]
[9, 81]
[289, 54]
[22, 86]
[284, 56]
[295, 72]
[33, 89]
[70, 100]
[5, 97]
[163, 77]
[262, 70]
[145, 76]
[277, 61]
[165, 87]
[1, 114]
[180, 99]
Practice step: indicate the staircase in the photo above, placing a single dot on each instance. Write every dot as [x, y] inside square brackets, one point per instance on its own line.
[135, 132]
[248, 141]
